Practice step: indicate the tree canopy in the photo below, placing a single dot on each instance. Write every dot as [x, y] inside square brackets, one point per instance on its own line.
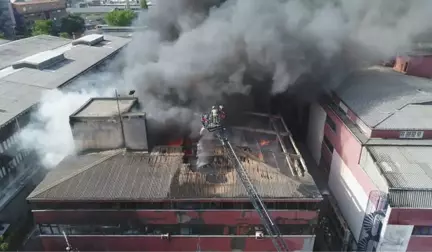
[72, 24]
[120, 17]
[42, 27]
[144, 4]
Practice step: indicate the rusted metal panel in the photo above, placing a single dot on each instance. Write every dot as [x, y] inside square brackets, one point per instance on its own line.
[175, 243]
[210, 217]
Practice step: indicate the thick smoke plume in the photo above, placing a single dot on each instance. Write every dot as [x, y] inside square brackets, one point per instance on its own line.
[198, 52]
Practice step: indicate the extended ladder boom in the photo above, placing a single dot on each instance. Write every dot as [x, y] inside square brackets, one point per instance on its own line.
[269, 225]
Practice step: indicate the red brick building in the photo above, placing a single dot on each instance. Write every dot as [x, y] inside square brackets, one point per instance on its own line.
[373, 137]
[141, 200]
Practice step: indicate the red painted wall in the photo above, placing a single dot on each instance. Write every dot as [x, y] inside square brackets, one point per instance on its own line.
[177, 243]
[216, 217]
[394, 134]
[416, 217]
[420, 66]
[349, 148]
[406, 216]
[420, 243]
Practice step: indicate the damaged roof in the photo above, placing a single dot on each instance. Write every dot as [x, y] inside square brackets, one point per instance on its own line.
[408, 172]
[161, 174]
[385, 99]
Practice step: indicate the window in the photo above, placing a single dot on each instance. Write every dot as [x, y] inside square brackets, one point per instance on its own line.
[411, 134]
[343, 108]
[293, 205]
[328, 144]
[55, 229]
[185, 231]
[422, 230]
[331, 123]
[45, 229]
[405, 67]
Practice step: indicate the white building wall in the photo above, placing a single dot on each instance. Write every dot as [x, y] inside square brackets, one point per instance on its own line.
[308, 244]
[351, 198]
[317, 116]
[372, 170]
[396, 238]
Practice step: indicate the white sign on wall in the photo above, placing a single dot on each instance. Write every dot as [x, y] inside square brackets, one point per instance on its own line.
[411, 134]
[396, 238]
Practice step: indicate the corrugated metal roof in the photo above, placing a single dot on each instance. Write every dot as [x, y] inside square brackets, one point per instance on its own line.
[398, 142]
[410, 199]
[408, 171]
[20, 49]
[21, 89]
[4, 41]
[377, 94]
[410, 117]
[119, 175]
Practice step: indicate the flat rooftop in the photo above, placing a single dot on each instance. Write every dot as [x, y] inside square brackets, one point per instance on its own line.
[385, 99]
[164, 174]
[4, 41]
[22, 88]
[408, 172]
[105, 107]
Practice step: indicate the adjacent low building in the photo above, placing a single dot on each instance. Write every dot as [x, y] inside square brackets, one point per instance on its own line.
[153, 198]
[373, 137]
[30, 67]
[30, 11]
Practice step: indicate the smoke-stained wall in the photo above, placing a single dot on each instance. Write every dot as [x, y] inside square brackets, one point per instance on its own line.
[317, 116]
[135, 131]
[97, 134]
[110, 133]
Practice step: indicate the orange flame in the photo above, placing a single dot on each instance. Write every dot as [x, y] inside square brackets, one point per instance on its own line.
[264, 142]
[177, 142]
[260, 156]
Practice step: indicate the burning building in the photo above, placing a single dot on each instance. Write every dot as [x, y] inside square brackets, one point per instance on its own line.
[121, 194]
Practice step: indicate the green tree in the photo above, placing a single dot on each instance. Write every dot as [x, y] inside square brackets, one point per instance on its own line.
[2, 36]
[144, 4]
[4, 245]
[120, 17]
[64, 35]
[42, 27]
[72, 24]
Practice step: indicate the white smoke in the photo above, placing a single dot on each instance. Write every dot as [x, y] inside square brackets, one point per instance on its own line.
[50, 136]
[193, 55]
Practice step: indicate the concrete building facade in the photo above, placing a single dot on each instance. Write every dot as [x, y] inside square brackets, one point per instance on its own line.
[372, 137]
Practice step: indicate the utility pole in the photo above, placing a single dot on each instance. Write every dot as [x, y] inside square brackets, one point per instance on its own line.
[121, 119]
[68, 245]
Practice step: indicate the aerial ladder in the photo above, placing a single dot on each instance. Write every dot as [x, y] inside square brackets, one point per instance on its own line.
[220, 132]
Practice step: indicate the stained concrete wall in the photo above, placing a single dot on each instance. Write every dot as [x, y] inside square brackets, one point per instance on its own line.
[104, 134]
[135, 132]
[97, 134]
